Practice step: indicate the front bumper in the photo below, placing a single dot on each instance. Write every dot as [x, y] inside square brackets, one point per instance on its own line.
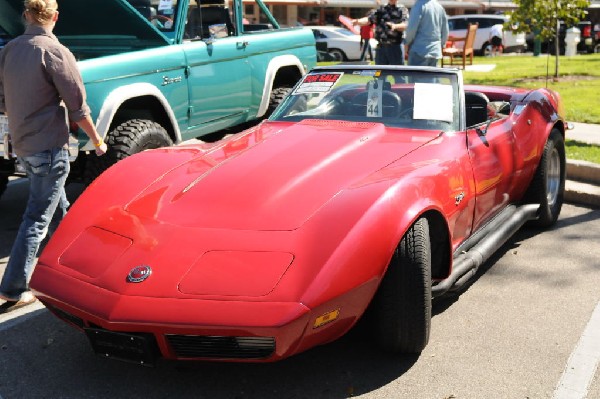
[140, 329]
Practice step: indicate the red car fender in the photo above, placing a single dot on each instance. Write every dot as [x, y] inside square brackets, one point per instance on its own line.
[363, 253]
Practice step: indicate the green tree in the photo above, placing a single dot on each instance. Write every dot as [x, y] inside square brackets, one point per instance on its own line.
[542, 18]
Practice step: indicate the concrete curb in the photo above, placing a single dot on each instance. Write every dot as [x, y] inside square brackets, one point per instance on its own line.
[583, 171]
[583, 183]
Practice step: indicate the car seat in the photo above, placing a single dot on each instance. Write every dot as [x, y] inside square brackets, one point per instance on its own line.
[199, 20]
[476, 108]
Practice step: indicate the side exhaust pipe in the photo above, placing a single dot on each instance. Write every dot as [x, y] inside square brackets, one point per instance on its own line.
[491, 238]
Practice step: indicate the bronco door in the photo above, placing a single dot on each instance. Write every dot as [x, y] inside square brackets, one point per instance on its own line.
[218, 70]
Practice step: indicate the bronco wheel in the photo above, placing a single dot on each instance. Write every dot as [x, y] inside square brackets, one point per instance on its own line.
[128, 138]
[277, 96]
[402, 305]
[548, 185]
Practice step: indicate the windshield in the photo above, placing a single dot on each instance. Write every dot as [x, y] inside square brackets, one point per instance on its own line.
[419, 99]
[161, 13]
[344, 32]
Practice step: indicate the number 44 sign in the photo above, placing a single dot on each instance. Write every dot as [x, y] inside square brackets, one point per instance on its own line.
[374, 108]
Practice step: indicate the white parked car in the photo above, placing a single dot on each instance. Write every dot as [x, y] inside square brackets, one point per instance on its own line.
[457, 24]
[342, 44]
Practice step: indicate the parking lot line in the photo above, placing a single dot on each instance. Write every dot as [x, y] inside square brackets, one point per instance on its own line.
[583, 362]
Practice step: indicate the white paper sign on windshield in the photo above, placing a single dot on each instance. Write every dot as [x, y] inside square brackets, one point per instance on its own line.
[165, 5]
[433, 101]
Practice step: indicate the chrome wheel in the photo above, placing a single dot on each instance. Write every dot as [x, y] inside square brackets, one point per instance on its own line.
[338, 55]
[553, 177]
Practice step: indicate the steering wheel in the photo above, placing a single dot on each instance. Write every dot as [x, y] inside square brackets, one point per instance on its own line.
[161, 21]
[390, 103]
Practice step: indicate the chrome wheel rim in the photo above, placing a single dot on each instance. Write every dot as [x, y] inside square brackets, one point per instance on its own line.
[553, 173]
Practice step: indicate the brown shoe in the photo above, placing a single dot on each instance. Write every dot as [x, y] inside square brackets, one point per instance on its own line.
[25, 299]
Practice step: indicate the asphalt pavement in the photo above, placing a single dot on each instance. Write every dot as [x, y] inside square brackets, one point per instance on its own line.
[583, 178]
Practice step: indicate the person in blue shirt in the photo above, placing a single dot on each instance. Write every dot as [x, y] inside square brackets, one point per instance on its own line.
[426, 33]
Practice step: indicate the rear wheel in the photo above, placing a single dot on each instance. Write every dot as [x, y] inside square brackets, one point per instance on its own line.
[548, 185]
[337, 54]
[128, 138]
[402, 305]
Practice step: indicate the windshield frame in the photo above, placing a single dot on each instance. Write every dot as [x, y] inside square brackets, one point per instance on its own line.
[427, 98]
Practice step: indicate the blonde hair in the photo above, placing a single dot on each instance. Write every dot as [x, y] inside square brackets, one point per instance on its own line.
[41, 11]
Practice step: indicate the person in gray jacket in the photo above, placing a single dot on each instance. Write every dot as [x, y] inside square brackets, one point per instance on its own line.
[426, 33]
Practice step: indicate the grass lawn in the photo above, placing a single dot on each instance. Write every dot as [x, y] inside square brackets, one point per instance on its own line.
[578, 86]
[582, 151]
[578, 83]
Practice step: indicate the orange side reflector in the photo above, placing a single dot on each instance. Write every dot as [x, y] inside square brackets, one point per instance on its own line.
[326, 318]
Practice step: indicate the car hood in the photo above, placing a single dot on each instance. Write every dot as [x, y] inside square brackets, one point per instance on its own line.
[273, 177]
[82, 19]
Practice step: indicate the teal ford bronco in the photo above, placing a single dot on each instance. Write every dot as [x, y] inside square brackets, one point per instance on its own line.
[159, 72]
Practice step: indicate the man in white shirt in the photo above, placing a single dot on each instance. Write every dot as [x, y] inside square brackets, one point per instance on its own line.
[496, 36]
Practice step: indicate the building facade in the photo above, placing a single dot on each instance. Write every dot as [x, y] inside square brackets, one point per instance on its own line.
[326, 12]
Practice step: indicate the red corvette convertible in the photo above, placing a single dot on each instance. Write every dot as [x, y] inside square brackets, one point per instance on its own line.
[368, 192]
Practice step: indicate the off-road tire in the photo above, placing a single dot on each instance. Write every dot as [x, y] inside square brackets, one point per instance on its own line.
[278, 94]
[128, 138]
[548, 185]
[401, 308]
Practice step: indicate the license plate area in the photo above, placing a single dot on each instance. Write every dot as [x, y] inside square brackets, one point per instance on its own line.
[137, 348]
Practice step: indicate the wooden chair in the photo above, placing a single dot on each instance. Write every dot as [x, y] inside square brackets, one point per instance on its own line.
[467, 49]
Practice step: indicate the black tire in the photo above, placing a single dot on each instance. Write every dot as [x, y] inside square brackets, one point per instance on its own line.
[486, 50]
[3, 184]
[548, 185]
[278, 94]
[130, 137]
[402, 305]
[337, 54]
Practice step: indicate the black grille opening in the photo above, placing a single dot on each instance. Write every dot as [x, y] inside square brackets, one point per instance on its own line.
[190, 346]
[67, 316]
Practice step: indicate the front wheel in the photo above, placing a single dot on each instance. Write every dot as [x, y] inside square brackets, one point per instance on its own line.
[486, 50]
[278, 94]
[548, 185]
[402, 305]
[130, 137]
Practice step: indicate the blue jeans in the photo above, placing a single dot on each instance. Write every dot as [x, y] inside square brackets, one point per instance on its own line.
[47, 204]
[416, 60]
[366, 47]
